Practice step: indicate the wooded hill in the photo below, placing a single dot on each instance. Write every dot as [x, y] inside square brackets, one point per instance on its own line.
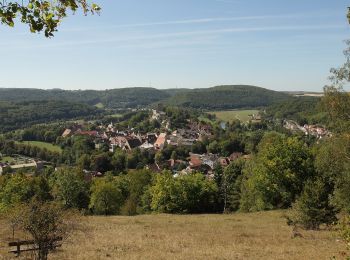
[227, 97]
[220, 97]
[17, 115]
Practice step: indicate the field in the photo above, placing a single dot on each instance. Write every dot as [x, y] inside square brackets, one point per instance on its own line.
[230, 115]
[48, 146]
[240, 236]
[7, 159]
[99, 105]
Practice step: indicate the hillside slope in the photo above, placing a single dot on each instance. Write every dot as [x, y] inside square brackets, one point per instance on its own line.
[263, 235]
[114, 98]
[220, 97]
[227, 97]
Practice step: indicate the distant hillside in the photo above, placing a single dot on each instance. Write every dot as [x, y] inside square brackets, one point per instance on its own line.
[114, 98]
[220, 97]
[17, 115]
[227, 97]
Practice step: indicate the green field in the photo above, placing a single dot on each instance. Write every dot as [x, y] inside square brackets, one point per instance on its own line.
[48, 146]
[231, 115]
[7, 159]
[99, 105]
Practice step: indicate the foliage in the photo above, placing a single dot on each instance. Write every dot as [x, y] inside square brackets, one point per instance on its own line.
[226, 97]
[185, 194]
[106, 197]
[18, 115]
[70, 189]
[276, 176]
[337, 101]
[18, 188]
[42, 15]
[303, 110]
[137, 183]
[44, 223]
[115, 98]
[313, 207]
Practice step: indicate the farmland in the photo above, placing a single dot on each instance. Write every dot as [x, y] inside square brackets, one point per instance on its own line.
[231, 115]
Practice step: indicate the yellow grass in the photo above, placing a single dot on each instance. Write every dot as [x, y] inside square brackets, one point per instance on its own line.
[240, 236]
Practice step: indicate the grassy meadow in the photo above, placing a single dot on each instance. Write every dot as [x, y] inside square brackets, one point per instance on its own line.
[262, 235]
[7, 159]
[231, 115]
[48, 146]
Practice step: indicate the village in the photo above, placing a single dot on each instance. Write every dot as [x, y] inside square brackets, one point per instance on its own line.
[309, 130]
[154, 142]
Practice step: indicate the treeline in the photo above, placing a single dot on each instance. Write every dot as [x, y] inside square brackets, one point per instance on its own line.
[221, 97]
[19, 115]
[227, 97]
[114, 98]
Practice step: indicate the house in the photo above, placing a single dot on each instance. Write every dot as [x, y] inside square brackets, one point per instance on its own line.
[161, 140]
[125, 142]
[146, 146]
[67, 133]
[198, 160]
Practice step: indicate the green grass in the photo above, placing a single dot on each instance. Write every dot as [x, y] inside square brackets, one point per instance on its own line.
[231, 115]
[116, 115]
[7, 159]
[99, 105]
[48, 146]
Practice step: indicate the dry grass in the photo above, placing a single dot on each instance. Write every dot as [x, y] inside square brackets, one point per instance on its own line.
[240, 236]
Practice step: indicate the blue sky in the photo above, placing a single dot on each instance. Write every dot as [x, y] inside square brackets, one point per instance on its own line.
[276, 44]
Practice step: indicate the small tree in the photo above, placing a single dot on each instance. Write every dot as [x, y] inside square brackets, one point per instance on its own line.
[44, 223]
[313, 207]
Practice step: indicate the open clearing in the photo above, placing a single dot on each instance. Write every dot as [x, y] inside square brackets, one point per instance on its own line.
[7, 159]
[48, 146]
[262, 235]
[231, 115]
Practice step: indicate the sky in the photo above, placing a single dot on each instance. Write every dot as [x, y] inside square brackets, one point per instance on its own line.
[287, 45]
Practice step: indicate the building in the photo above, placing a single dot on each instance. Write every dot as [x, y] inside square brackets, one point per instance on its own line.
[160, 143]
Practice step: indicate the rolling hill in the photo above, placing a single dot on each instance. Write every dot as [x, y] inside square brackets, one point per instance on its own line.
[217, 98]
[227, 97]
[114, 98]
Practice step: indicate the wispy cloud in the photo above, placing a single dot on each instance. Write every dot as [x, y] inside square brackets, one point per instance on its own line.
[187, 34]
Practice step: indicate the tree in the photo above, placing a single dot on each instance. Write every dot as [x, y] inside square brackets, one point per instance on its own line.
[42, 15]
[137, 183]
[15, 189]
[70, 189]
[336, 101]
[191, 193]
[106, 197]
[119, 161]
[230, 186]
[313, 207]
[44, 223]
[276, 176]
